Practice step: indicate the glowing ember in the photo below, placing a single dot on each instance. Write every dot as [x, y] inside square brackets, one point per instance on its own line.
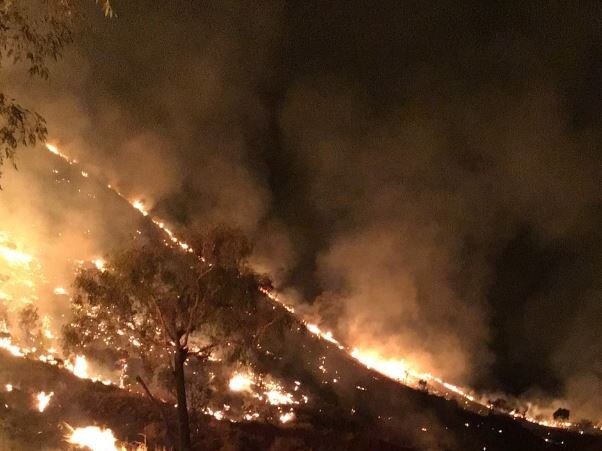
[314, 329]
[99, 263]
[52, 148]
[43, 399]
[251, 416]
[93, 438]
[217, 414]
[9, 387]
[79, 368]
[139, 205]
[59, 291]
[240, 382]
[277, 397]
[287, 417]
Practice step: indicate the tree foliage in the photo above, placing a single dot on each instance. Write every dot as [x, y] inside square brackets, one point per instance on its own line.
[32, 33]
[150, 298]
[165, 305]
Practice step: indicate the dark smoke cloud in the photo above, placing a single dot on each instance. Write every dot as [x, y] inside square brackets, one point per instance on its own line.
[436, 166]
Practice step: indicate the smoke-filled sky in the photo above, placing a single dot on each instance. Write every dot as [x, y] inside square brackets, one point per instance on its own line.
[428, 171]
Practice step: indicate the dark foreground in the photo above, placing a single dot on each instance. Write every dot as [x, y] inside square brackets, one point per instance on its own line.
[134, 418]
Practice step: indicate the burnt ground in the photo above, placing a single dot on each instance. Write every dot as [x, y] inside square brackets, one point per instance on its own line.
[403, 415]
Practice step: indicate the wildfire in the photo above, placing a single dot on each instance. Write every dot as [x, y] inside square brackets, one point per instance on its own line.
[53, 149]
[314, 329]
[79, 368]
[99, 263]
[46, 328]
[139, 205]
[14, 257]
[94, 438]
[397, 369]
[273, 393]
[43, 399]
[267, 391]
[240, 382]
[217, 414]
[287, 417]
[276, 397]
[6, 343]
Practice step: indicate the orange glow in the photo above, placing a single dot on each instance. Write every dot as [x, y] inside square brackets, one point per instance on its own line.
[240, 382]
[43, 399]
[94, 438]
[398, 369]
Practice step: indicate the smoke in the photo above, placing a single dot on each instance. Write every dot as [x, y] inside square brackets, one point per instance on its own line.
[438, 172]
[423, 200]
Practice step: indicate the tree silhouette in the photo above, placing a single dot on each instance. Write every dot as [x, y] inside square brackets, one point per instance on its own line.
[561, 414]
[167, 305]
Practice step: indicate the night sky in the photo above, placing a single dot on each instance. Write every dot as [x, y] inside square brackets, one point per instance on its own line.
[434, 167]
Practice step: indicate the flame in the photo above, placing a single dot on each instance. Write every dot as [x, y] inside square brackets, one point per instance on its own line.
[287, 417]
[99, 263]
[277, 397]
[217, 414]
[250, 416]
[273, 393]
[55, 150]
[240, 382]
[139, 205]
[265, 390]
[46, 328]
[6, 343]
[15, 257]
[314, 329]
[79, 368]
[60, 291]
[396, 369]
[94, 438]
[52, 148]
[43, 399]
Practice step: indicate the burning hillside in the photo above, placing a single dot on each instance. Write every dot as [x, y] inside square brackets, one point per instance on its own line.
[293, 374]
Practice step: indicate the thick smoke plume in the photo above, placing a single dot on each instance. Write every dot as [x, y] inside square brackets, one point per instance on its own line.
[436, 172]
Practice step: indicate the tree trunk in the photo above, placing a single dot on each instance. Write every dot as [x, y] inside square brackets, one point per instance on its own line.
[183, 422]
